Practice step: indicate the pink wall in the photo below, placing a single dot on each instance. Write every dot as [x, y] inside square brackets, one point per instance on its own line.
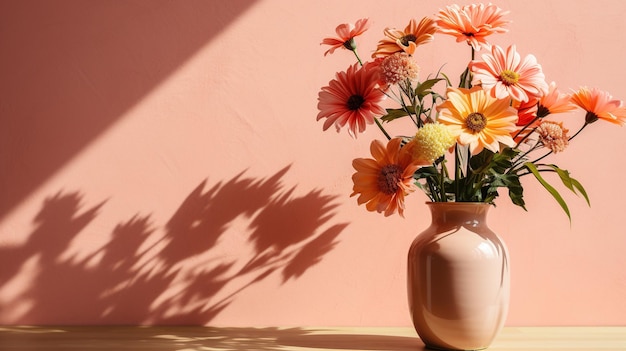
[161, 163]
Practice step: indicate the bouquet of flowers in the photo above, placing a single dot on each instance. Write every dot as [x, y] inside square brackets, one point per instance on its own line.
[493, 127]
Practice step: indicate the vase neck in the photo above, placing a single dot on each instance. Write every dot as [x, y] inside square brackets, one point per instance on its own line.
[459, 213]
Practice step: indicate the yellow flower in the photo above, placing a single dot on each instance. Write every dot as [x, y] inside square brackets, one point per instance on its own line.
[477, 119]
[430, 142]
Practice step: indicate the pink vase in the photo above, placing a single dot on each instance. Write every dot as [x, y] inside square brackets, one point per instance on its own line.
[458, 278]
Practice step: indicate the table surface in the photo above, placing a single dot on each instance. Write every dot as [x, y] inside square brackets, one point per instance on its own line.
[118, 338]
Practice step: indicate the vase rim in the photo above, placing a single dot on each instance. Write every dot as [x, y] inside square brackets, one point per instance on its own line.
[454, 203]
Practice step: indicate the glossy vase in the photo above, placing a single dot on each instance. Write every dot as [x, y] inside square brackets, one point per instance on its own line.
[458, 278]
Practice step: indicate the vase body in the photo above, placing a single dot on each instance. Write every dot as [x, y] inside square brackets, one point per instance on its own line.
[458, 278]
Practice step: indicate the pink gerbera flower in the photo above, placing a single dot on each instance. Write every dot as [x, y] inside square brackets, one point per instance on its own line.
[353, 98]
[505, 74]
[346, 33]
[599, 105]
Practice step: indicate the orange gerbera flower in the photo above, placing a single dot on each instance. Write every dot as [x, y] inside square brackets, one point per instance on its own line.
[346, 33]
[477, 119]
[505, 74]
[407, 40]
[599, 105]
[554, 102]
[352, 98]
[384, 181]
[472, 23]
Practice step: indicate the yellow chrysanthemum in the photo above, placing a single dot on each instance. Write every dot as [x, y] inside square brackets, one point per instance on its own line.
[431, 142]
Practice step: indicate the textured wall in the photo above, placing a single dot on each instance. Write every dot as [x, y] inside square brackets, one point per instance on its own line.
[160, 162]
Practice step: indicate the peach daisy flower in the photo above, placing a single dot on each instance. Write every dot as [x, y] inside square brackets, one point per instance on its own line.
[477, 119]
[352, 98]
[505, 74]
[407, 40]
[599, 105]
[553, 135]
[397, 68]
[472, 23]
[346, 33]
[384, 181]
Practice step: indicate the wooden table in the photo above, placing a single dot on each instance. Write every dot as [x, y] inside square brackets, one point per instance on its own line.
[297, 339]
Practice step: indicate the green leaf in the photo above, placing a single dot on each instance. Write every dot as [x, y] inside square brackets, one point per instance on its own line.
[423, 88]
[571, 183]
[581, 190]
[533, 169]
[426, 172]
[395, 113]
[510, 181]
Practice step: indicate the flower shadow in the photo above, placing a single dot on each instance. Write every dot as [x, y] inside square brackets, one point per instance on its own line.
[171, 274]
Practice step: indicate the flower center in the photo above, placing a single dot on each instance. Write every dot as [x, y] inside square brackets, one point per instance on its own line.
[591, 117]
[476, 122]
[388, 179]
[405, 40]
[350, 44]
[509, 77]
[355, 102]
[542, 111]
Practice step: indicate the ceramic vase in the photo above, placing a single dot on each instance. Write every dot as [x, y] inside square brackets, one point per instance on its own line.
[458, 278]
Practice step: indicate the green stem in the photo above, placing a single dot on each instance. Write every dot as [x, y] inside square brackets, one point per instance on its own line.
[550, 152]
[382, 129]
[357, 56]
[457, 174]
[578, 132]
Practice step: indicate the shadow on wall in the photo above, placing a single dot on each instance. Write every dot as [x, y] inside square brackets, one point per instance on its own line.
[172, 275]
[71, 68]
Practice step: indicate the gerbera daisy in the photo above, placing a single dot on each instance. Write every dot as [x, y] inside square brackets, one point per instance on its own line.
[550, 103]
[477, 119]
[554, 102]
[526, 118]
[553, 135]
[346, 33]
[407, 40]
[599, 105]
[384, 181]
[352, 98]
[504, 74]
[472, 23]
